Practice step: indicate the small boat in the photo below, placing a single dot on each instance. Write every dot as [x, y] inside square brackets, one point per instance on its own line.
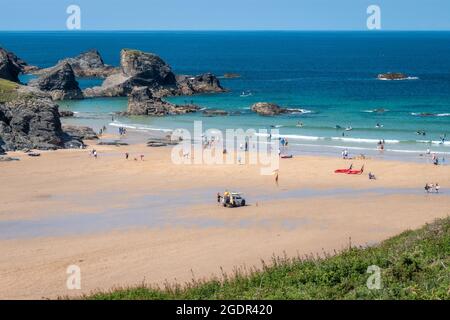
[289, 156]
[245, 94]
[338, 127]
[348, 129]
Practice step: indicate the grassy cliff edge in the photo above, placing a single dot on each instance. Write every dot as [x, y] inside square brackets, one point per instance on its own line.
[414, 265]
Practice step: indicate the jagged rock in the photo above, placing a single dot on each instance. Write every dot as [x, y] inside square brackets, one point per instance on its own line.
[139, 69]
[214, 112]
[392, 76]
[86, 65]
[60, 83]
[9, 69]
[204, 83]
[80, 132]
[65, 113]
[146, 69]
[268, 109]
[31, 121]
[142, 102]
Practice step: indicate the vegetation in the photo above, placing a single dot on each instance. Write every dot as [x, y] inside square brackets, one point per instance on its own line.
[414, 265]
[8, 90]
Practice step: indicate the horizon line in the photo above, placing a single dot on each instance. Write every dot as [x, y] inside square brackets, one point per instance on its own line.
[228, 30]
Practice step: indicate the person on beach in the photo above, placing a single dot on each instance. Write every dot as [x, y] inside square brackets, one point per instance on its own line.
[276, 178]
[427, 188]
[95, 154]
[437, 187]
[142, 157]
[126, 155]
[218, 197]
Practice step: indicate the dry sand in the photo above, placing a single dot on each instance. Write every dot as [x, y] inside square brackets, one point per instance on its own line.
[67, 208]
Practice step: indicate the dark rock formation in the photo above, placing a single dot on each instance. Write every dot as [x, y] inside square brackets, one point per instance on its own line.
[214, 112]
[146, 69]
[112, 143]
[137, 69]
[11, 66]
[141, 69]
[204, 83]
[87, 64]
[392, 76]
[80, 132]
[268, 109]
[31, 121]
[9, 69]
[65, 113]
[60, 82]
[142, 102]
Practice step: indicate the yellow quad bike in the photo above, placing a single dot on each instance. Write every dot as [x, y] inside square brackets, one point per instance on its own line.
[233, 200]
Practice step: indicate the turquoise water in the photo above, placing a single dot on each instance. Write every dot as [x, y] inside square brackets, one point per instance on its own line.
[331, 76]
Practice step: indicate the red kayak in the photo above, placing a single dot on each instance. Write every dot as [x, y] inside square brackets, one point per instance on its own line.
[344, 170]
[356, 171]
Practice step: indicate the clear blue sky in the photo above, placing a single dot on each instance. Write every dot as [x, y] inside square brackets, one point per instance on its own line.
[225, 14]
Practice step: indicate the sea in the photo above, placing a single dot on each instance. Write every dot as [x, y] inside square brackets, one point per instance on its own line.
[329, 78]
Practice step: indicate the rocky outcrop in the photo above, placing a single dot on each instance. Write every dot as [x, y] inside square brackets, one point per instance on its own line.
[11, 66]
[31, 121]
[392, 76]
[214, 112]
[60, 83]
[66, 113]
[146, 69]
[80, 132]
[137, 69]
[9, 69]
[86, 65]
[141, 69]
[142, 102]
[204, 83]
[268, 109]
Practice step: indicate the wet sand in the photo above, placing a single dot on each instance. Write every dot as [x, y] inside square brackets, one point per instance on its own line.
[125, 221]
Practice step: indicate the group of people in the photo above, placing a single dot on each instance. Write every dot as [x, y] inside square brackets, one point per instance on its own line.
[127, 156]
[435, 159]
[102, 130]
[122, 131]
[430, 187]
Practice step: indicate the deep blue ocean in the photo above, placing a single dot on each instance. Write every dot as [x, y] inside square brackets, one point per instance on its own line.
[331, 76]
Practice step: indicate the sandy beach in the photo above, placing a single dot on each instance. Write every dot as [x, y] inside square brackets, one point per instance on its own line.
[124, 222]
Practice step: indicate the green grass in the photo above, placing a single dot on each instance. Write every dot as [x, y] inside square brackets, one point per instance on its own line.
[414, 265]
[8, 90]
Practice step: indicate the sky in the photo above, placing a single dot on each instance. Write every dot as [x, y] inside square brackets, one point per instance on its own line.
[225, 14]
